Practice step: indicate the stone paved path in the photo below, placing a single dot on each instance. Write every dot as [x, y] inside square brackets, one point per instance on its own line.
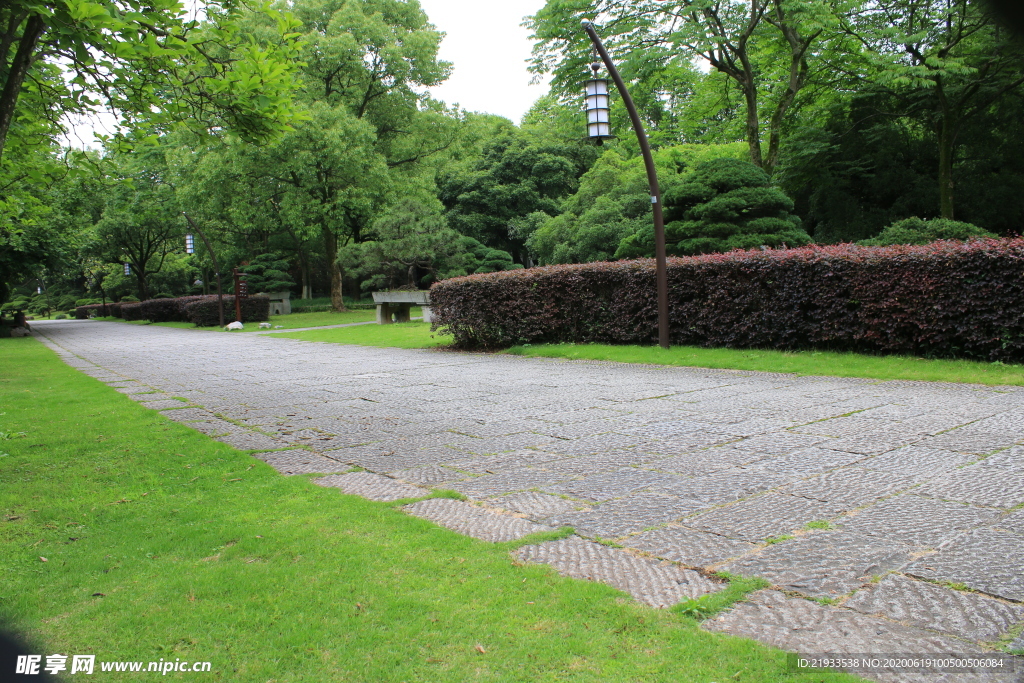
[897, 502]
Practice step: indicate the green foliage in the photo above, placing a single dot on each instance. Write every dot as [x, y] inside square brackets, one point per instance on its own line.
[516, 175]
[919, 231]
[724, 204]
[268, 273]
[484, 259]
[613, 203]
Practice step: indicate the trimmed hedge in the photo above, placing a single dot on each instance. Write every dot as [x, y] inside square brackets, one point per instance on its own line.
[203, 312]
[83, 312]
[945, 299]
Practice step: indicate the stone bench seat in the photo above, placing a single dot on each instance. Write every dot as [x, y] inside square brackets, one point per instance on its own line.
[394, 306]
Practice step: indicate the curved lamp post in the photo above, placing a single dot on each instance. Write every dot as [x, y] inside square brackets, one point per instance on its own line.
[599, 127]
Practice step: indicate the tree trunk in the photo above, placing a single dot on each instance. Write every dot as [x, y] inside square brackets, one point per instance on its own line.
[946, 168]
[20, 65]
[331, 247]
[753, 128]
[140, 276]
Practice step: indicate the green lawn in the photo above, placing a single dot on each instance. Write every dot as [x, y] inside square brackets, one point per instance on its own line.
[415, 335]
[160, 543]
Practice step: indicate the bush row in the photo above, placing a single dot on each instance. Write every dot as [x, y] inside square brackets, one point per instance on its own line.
[199, 310]
[945, 299]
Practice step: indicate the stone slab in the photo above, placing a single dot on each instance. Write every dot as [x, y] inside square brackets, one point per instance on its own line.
[688, 547]
[591, 464]
[807, 462]
[492, 464]
[987, 560]
[491, 485]
[850, 487]
[430, 476]
[301, 462]
[251, 441]
[770, 515]
[805, 627]
[371, 486]
[723, 486]
[187, 414]
[1012, 522]
[918, 463]
[473, 521]
[826, 564]
[617, 518]
[937, 608]
[979, 485]
[607, 485]
[658, 584]
[536, 505]
[917, 521]
[706, 461]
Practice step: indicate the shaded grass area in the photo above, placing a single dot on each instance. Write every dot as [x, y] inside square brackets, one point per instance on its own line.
[161, 543]
[292, 320]
[414, 335]
[825, 363]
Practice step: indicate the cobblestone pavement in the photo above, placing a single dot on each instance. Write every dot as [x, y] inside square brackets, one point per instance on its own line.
[896, 505]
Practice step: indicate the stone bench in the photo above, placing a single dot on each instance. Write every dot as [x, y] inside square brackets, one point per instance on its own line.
[394, 306]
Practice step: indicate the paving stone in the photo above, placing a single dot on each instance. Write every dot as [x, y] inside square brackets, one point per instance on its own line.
[251, 441]
[371, 486]
[648, 581]
[850, 487]
[872, 444]
[975, 442]
[770, 515]
[165, 404]
[824, 564]
[987, 560]
[472, 521]
[607, 485]
[723, 486]
[134, 389]
[917, 521]
[503, 483]
[430, 476]
[617, 518]
[917, 463]
[1012, 522]
[852, 425]
[301, 462]
[805, 627]
[979, 485]
[536, 505]
[188, 414]
[590, 445]
[782, 443]
[937, 608]
[707, 461]
[591, 464]
[1011, 458]
[689, 547]
[807, 461]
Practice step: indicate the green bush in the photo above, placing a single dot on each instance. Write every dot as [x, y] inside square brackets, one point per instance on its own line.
[724, 204]
[60, 316]
[267, 273]
[922, 231]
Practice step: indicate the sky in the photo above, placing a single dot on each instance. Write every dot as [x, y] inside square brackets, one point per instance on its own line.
[489, 50]
[484, 41]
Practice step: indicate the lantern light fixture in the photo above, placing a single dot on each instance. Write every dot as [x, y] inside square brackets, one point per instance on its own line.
[190, 244]
[127, 269]
[598, 110]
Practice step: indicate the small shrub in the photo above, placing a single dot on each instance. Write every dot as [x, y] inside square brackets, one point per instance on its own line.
[203, 311]
[60, 316]
[920, 231]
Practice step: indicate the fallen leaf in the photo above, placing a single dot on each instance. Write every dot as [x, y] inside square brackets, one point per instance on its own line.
[99, 595]
[43, 559]
[480, 648]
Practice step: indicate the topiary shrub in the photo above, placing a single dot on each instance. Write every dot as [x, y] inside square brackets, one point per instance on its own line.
[922, 231]
[724, 204]
[946, 299]
[268, 273]
[131, 310]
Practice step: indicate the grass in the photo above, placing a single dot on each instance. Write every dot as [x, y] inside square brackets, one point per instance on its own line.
[399, 335]
[290, 321]
[161, 543]
[825, 363]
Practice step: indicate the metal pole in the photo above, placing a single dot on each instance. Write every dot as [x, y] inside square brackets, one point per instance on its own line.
[661, 270]
[238, 296]
[216, 268]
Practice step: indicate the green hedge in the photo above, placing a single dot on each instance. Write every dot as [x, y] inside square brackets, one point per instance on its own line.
[946, 299]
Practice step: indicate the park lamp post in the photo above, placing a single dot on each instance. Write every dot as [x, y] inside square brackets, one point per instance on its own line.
[190, 248]
[599, 127]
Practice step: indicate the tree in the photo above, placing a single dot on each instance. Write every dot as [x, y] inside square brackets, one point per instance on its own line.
[515, 176]
[725, 204]
[146, 61]
[613, 203]
[733, 37]
[142, 222]
[267, 273]
[945, 63]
